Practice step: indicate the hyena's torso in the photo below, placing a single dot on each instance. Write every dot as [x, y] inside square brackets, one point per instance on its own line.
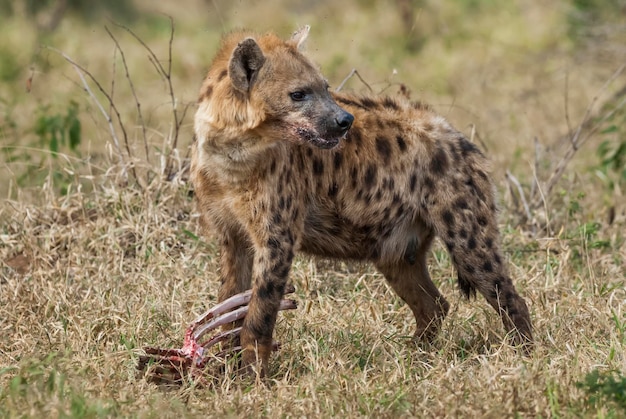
[279, 167]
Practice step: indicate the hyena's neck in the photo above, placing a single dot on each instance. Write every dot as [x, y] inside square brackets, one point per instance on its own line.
[233, 157]
[229, 146]
[239, 155]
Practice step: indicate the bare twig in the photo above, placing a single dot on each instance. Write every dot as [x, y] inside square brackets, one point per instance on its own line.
[476, 138]
[520, 191]
[166, 73]
[566, 100]
[578, 139]
[114, 72]
[151, 53]
[82, 72]
[353, 73]
[132, 88]
[535, 184]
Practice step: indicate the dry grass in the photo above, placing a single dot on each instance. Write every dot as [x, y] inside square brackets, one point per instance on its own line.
[88, 278]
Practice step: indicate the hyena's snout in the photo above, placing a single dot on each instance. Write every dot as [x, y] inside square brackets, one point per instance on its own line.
[331, 125]
[337, 123]
[344, 121]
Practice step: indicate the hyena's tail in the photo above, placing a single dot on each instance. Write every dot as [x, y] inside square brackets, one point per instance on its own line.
[460, 205]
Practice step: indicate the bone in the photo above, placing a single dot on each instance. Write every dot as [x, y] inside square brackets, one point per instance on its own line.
[170, 365]
[235, 301]
[233, 316]
[220, 337]
[220, 314]
[218, 321]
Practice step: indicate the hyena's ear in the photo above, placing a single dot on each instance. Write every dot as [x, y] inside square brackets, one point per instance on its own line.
[245, 63]
[299, 37]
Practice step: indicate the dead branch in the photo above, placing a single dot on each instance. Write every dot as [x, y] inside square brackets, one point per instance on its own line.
[113, 74]
[81, 71]
[535, 184]
[166, 73]
[521, 194]
[132, 88]
[566, 104]
[353, 73]
[580, 136]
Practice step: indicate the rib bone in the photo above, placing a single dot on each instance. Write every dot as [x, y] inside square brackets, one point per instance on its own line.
[171, 365]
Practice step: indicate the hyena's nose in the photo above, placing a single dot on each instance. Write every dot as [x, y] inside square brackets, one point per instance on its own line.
[344, 121]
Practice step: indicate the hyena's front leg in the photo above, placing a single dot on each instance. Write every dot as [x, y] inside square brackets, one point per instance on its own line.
[272, 262]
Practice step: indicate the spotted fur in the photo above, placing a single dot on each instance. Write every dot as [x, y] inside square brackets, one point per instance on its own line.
[275, 175]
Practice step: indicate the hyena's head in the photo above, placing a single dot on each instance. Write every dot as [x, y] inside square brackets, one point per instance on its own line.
[272, 89]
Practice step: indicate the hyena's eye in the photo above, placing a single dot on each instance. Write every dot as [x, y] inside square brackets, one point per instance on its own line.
[297, 96]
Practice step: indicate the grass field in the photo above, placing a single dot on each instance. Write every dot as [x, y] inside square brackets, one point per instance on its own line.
[100, 252]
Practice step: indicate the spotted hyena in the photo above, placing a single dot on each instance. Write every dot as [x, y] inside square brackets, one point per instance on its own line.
[282, 165]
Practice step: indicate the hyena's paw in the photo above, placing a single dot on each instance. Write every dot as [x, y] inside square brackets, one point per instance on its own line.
[429, 323]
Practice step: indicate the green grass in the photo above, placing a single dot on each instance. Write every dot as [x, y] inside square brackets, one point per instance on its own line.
[98, 260]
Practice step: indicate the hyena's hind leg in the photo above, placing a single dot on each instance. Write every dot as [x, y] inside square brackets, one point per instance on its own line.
[503, 297]
[409, 278]
[461, 208]
[236, 259]
[475, 251]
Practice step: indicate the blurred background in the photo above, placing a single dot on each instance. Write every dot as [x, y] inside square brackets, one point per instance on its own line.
[519, 77]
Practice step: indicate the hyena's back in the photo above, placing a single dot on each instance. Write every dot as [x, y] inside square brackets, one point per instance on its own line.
[375, 194]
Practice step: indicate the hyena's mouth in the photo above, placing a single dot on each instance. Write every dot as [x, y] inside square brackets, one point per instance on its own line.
[315, 139]
[325, 143]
